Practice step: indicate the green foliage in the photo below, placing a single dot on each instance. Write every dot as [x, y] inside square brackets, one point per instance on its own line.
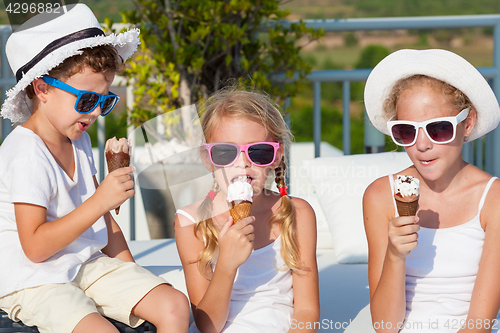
[330, 91]
[331, 96]
[108, 8]
[350, 39]
[190, 48]
[321, 9]
[369, 58]
[391, 8]
[331, 127]
[116, 125]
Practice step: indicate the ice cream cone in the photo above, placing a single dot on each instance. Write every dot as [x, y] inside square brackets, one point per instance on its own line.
[406, 194]
[407, 207]
[117, 156]
[240, 210]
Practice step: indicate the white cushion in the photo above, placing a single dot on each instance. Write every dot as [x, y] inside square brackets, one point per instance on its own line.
[301, 187]
[339, 183]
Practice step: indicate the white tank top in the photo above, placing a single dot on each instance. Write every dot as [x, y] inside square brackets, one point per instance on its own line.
[440, 274]
[262, 296]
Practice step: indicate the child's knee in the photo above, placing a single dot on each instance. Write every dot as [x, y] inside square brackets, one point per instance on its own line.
[175, 310]
[164, 306]
[177, 304]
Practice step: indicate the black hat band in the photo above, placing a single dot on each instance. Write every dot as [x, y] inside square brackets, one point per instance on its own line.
[76, 36]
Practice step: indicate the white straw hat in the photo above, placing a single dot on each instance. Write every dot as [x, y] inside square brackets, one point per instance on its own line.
[440, 64]
[34, 49]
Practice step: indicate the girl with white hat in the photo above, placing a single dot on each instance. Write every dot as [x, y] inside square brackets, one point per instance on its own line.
[64, 262]
[436, 271]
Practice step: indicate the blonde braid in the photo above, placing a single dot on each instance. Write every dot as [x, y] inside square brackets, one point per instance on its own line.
[209, 233]
[285, 216]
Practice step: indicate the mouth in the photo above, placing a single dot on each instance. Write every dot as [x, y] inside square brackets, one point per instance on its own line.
[427, 162]
[83, 125]
[242, 178]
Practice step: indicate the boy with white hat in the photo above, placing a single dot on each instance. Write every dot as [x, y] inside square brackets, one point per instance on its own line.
[65, 263]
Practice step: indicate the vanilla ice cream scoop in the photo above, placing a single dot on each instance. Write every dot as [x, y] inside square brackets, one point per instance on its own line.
[406, 195]
[239, 191]
[406, 186]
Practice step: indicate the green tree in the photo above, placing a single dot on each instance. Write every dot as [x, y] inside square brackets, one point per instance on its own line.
[189, 48]
[370, 56]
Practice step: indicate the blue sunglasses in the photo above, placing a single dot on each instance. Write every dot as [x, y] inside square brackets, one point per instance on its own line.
[86, 101]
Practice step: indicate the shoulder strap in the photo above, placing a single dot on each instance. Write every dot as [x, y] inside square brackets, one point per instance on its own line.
[186, 214]
[483, 198]
[391, 181]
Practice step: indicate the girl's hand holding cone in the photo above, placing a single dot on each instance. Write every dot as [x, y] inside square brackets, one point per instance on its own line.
[403, 235]
[236, 242]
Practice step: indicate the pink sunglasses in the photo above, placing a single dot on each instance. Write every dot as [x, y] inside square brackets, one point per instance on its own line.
[223, 154]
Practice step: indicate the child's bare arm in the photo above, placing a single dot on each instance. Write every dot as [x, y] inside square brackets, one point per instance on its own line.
[117, 245]
[41, 239]
[389, 242]
[306, 309]
[485, 299]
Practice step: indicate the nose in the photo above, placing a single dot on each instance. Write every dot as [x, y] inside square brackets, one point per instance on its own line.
[242, 160]
[97, 111]
[423, 142]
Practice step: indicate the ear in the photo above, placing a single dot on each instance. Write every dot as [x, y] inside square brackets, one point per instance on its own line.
[279, 156]
[41, 89]
[470, 122]
[205, 159]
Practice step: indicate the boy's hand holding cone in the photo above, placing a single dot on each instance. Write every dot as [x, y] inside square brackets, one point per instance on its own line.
[118, 155]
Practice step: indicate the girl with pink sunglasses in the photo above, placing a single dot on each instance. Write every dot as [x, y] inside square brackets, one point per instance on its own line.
[436, 271]
[260, 273]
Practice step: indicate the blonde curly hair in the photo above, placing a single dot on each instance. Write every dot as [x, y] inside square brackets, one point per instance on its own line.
[459, 100]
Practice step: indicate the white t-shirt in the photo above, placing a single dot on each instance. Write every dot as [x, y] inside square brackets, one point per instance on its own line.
[30, 174]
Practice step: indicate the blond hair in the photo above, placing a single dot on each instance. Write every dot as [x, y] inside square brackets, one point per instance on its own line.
[457, 98]
[236, 102]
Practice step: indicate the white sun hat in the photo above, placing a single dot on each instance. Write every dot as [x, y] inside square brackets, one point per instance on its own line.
[45, 41]
[440, 64]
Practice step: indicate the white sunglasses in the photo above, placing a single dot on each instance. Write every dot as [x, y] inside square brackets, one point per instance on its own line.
[439, 130]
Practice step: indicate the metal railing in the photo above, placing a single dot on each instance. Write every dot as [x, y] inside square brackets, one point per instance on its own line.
[348, 76]
[473, 152]
[7, 80]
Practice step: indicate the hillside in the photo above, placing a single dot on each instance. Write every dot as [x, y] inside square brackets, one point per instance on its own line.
[320, 9]
[343, 50]
[102, 9]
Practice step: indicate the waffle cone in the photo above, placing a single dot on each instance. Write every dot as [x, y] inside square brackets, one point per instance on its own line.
[406, 208]
[240, 211]
[117, 161]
